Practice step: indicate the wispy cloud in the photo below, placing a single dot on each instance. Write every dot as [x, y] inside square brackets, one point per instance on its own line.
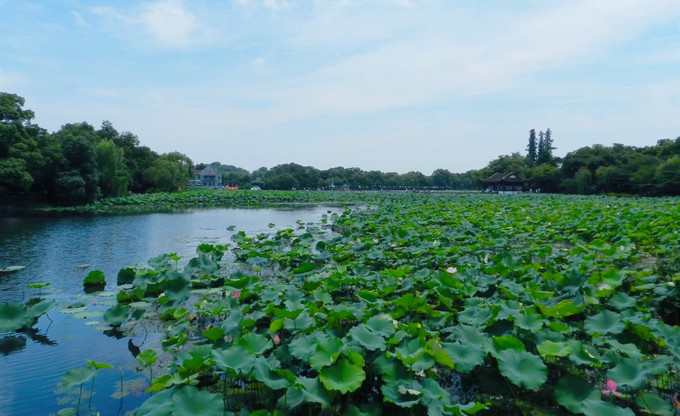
[168, 22]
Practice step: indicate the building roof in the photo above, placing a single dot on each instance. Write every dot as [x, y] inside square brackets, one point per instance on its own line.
[508, 177]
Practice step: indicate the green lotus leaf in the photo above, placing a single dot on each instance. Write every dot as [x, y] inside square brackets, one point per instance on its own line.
[301, 323]
[342, 376]
[38, 285]
[572, 391]
[147, 357]
[94, 278]
[78, 376]
[399, 392]
[605, 322]
[467, 335]
[214, 333]
[160, 404]
[311, 391]
[600, 408]
[116, 315]
[236, 358]
[554, 349]
[529, 320]
[276, 325]
[507, 342]
[381, 324]
[98, 366]
[464, 357]
[13, 316]
[272, 379]
[326, 352]
[302, 347]
[561, 310]
[440, 355]
[368, 339]
[629, 372]
[654, 404]
[190, 401]
[622, 301]
[522, 368]
[255, 343]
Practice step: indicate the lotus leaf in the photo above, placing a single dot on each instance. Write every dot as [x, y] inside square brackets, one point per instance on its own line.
[190, 401]
[116, 315]
[13, 316]
[629, 372]
[342, 376]
[367, 338]
[236, 358]
[326, 352]
[78, 376]
[522, 368]
[605, 322]
[464, 357]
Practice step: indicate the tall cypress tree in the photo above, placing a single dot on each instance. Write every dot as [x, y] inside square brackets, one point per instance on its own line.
[541, 155]
[531, 148]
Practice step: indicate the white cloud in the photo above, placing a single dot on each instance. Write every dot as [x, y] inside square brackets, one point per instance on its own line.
[169, 22]
[12, 81]
[78, 18]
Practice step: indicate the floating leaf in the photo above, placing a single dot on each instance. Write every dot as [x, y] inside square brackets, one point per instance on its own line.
[13, 316]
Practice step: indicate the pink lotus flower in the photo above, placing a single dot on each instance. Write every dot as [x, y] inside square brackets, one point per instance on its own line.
[237, 294]
[610, 388]
[277, 340]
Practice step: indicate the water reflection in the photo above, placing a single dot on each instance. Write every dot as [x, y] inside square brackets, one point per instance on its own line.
[12, 343]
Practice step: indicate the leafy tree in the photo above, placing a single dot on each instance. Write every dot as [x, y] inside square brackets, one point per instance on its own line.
[78, 148]
[280, 181]
[532, 149]
[668, 176]
[170, 172]
[441, 178]
[583, 181]
[14, 175]
[19, 141]
[114, 176]
[545, 177]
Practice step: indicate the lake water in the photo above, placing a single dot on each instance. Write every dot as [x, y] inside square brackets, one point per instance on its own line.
[62, 250]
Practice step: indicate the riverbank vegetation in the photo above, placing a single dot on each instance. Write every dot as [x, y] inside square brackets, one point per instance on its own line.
[437, 304]
[79, 164]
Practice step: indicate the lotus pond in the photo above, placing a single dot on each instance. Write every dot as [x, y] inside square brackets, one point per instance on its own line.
[61, 251]
[414, 304]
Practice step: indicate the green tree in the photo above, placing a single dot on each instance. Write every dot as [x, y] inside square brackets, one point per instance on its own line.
[79, 161]
[114, 176]
[19, 141]
[170, 172]
[441, 178]
[583, 181]
[532, 149]
[668, 176]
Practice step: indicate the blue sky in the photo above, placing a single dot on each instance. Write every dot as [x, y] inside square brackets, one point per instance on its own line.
[391, 85]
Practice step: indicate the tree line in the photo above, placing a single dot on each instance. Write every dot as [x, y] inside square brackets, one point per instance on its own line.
[650, 170]
[78, 164]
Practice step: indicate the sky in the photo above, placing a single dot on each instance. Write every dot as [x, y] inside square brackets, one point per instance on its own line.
[390, 85]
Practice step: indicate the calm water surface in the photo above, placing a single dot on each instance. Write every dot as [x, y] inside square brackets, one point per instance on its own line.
[62, 250]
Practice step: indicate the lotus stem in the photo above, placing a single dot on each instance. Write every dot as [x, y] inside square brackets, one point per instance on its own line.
[79, 396]
[89, 405]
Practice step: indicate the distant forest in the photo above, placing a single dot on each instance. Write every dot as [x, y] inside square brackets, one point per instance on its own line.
[79, 164]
